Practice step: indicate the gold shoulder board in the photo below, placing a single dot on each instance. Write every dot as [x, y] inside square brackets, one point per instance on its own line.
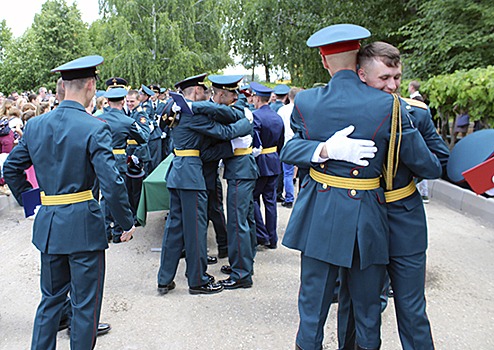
[415, 103]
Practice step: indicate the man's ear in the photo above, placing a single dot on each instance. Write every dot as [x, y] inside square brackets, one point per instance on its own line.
[362, 75]
[323, 60]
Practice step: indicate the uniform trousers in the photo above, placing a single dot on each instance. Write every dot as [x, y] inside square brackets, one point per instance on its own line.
[407, 274]
[266, 229]
[318, 279]
[82, 274]
[240, 206]
[288, 170]
[217, 215]
[186, 226]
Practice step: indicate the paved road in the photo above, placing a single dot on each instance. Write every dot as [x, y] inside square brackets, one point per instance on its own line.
[460, 293]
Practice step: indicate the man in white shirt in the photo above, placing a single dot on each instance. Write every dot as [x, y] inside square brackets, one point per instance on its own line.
[288, 169]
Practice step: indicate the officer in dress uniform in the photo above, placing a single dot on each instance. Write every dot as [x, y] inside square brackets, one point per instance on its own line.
[154, 143]
[114, 83]
[69, 227]
[137, 154]
[214, 187]
[241, 173]
[186, 225]
[380, 67]
[123, 128]
[339, 221]
[281, 93]
[269, 136]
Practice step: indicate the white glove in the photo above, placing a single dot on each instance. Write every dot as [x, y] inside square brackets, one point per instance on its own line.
[248, 114]
[163, 135]
[341, 147]
[256, 151]
[176, 108]
[241, 142]
[151, 127]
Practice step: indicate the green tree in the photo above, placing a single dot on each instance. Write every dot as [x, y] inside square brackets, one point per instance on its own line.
[448, 35]
[56, 36]
[5, 38]
[273, 33]
[148, 42]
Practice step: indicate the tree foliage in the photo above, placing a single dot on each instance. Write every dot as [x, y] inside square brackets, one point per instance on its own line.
[56, 36]
[448, 35]
[468, 90]
[146, 41]
[273, 33]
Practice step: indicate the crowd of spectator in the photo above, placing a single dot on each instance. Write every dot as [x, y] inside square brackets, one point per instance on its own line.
[15, 111]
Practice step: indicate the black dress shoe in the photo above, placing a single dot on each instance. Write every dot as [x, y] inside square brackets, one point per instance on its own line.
[212, 260]
[226, 269]
[64, 324]
[116, 239]
[222, 253]
[288, 205]
[280, 199]
[231, 284]
[103, 328]
[208, 288]
[165, 288]
[271, 246]
[210, 277]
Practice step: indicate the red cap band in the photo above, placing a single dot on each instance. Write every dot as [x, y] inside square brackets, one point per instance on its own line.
[343, 46]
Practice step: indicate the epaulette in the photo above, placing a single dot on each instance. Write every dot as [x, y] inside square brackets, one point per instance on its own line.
[100, 119]
[139, 109]
[415, 103]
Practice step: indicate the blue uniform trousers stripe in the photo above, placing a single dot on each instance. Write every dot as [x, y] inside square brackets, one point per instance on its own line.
[266, 229]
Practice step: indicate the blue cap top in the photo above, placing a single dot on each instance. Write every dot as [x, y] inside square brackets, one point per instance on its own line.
[147, 90]
[337, 33]
[260, 90]
[116, 93]
[470, 151]
[196, 80]
[82, 67]
[281, 89]
[99, 93]
[162, 90]
[226, 82]
[116, 82]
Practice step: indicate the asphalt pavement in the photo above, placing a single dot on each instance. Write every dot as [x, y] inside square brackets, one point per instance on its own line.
[459, 291]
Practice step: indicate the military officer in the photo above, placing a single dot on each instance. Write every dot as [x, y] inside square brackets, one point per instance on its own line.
[380, 67]
[69, 226]
[241, 173]
[186, 225]
[281, 93]
[123, 128]
[339, 219]
[269, 136]
[154, 144]
[137, 154]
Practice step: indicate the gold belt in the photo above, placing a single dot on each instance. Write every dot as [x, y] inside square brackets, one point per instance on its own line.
[404, 192]
[344, 182]
[269, 150]
[118, 151]
[131, 142]
[70, 198]
[242, 151]
[187, 152]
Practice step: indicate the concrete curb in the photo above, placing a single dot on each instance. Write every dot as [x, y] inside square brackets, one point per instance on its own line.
[462, 200]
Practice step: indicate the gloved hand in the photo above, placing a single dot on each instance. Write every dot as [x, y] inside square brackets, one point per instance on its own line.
[163, 135]
[341, 147]
[248, 114]
[256, 151]
[176, 108]
[241, 142]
